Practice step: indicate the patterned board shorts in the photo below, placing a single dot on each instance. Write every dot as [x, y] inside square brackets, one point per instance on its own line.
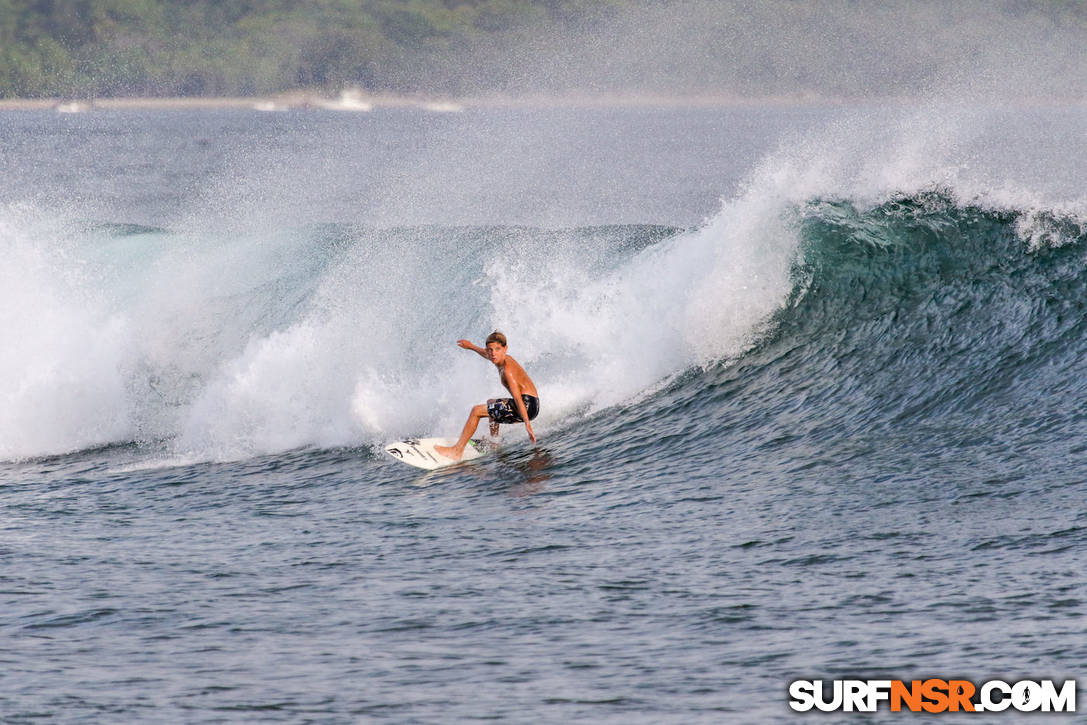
[503, 410]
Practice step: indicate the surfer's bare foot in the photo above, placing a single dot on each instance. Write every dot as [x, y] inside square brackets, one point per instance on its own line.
[449, 452]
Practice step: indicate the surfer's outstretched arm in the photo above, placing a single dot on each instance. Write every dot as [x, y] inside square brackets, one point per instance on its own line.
[481, 351]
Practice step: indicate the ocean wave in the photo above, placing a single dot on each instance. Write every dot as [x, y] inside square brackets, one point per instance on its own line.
[227, 347]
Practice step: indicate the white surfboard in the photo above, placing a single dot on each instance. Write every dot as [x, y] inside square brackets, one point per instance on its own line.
[419, 452]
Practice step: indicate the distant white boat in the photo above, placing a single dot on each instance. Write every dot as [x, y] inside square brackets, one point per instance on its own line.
[270, 107]
[73, 107]
[351, 99]
[443, 107]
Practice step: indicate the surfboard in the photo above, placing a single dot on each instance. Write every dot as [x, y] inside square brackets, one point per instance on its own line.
[419, 452]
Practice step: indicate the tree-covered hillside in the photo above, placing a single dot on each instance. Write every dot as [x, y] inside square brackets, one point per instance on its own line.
[51, 48]
[210, 47]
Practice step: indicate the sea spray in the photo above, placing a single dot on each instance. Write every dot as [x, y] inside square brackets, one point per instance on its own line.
[598, 315]
[605, 336]
[65, 359]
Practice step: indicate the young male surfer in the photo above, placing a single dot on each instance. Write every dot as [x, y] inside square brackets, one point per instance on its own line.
[521, 408]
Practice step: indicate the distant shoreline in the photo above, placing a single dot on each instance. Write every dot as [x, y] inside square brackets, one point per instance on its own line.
[360, 101]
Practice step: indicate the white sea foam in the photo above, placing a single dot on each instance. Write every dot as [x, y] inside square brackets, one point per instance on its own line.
[64, 362]
[372, 354]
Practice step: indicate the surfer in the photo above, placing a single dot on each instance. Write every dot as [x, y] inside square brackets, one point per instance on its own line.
[521, 408]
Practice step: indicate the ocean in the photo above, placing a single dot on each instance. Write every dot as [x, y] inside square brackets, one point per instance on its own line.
[812, 407]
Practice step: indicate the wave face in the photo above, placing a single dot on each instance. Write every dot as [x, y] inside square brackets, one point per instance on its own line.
[928, 309]
[922, 338]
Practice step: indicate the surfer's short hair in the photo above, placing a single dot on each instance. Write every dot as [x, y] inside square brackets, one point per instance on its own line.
[498, 337]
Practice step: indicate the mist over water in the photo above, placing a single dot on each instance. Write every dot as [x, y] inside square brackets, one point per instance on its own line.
[963, 51]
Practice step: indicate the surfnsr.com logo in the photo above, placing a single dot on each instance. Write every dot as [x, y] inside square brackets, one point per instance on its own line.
[933, 695]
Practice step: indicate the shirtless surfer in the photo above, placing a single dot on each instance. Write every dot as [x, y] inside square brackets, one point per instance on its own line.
[522, 407]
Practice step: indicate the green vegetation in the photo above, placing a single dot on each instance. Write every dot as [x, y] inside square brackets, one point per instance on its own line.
[247, 47]
[837, 48]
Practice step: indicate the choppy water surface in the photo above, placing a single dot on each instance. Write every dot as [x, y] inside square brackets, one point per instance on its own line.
[812, 408]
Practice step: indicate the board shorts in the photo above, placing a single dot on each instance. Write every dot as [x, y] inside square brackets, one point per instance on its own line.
[503, 410]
